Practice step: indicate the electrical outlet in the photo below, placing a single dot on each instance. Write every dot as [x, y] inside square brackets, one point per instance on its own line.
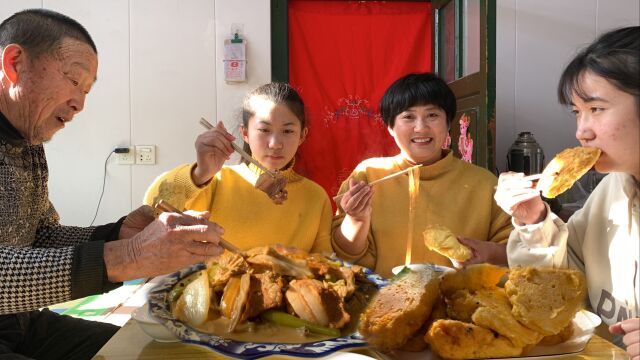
[125, 158]
[145, 154]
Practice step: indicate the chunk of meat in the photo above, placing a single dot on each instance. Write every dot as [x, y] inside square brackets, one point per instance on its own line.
[268, 259]
[342, 280]
[311, 301]
[221, 269]
[265, 292]
[273, 186]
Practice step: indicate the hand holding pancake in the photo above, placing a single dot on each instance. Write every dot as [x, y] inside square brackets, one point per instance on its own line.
[518, 197]
[440, 239]
[565, 169]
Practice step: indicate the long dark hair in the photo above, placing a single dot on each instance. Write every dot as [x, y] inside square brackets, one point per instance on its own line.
[614, 56]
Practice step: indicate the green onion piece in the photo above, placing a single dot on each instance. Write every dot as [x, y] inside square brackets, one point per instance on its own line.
[178, 288]
[284, 319]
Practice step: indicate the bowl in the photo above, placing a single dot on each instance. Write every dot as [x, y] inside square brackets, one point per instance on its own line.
[418, 267]
[151, 327]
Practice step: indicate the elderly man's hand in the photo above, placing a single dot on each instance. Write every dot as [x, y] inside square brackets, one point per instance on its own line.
[169, 243]
[136, 221]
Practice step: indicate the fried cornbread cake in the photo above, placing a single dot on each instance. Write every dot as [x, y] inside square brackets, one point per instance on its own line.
[399, 309]
[440, 239]
[495, 313]
[453, 339]
[565, 169]
[474, 277]
[545, 299]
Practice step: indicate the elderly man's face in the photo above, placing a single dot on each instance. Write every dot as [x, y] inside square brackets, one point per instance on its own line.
[53, 89]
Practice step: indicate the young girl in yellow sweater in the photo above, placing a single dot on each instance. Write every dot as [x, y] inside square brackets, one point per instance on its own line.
[273, 126]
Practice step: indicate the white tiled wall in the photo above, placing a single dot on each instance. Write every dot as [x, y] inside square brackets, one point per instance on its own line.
[253, 20]
[172, 61]
[77, 154]
[535, 41]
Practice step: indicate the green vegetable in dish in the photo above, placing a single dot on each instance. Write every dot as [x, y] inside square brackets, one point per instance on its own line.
[284, 319]
[178, 288]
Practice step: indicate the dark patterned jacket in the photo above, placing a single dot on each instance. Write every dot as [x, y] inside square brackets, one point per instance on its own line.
[41, 261]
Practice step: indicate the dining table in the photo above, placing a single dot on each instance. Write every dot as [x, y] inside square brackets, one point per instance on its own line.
[130, 342]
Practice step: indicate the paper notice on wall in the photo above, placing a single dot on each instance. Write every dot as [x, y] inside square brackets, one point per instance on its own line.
[235, 61]
[235, 70]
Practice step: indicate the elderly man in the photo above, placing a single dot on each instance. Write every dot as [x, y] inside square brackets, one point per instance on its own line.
[49, 64]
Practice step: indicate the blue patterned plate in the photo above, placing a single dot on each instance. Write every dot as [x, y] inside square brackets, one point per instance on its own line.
[159, 308]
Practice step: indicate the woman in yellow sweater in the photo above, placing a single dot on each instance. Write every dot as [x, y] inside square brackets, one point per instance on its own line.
[371, 226]
[273, 126]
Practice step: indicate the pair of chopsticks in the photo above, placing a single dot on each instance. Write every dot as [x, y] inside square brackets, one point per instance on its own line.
[207, 125]
[533, 177]
[383, 179]
[166, 207]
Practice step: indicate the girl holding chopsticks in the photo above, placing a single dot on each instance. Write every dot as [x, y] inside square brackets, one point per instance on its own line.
[371, 225]
[273, 126]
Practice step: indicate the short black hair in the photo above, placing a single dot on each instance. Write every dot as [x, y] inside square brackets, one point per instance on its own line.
[417, 89]
[615, 56]
[40, 31]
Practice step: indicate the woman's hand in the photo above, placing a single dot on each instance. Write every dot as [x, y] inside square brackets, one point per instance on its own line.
[518, 198]
[356, 202]
[351, 236]
[483, 252]
[213, 148]
[630, 328]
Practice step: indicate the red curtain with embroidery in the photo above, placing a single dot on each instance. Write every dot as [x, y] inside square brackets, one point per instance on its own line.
[342, 57]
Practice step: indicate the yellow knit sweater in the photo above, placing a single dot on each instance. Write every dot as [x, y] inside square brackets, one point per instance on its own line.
[248, 216]
[452, 193]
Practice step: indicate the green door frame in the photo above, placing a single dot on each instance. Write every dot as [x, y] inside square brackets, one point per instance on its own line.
[477, 91]
[279, 41]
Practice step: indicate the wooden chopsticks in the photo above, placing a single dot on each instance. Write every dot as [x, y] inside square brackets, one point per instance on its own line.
[166, 207]
[383, 179]
[207, 125]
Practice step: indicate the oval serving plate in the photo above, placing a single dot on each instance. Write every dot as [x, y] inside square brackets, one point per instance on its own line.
[159, 308]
